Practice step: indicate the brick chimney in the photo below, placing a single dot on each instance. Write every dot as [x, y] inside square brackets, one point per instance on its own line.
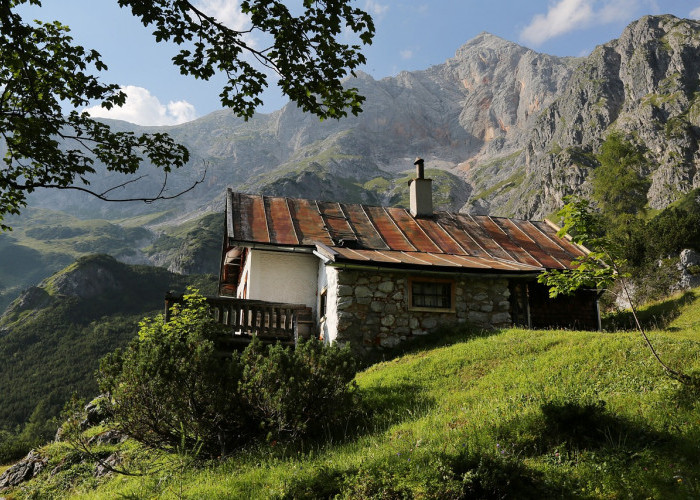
[421, 192]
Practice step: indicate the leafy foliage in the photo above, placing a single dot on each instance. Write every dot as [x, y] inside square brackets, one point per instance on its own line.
[172, 385]
[301, 392]
[593, 270]
[42, 70]
[619, 185]
[305, 52]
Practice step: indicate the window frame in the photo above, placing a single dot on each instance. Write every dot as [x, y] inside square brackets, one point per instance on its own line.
[323, 304]
[451, 282]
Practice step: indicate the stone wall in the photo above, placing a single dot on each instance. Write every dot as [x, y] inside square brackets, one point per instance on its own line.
[372, 307]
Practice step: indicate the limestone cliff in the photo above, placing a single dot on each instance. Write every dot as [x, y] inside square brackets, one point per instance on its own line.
[520, 129]
[644, 84]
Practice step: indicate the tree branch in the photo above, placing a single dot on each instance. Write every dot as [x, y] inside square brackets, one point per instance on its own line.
[102, 196]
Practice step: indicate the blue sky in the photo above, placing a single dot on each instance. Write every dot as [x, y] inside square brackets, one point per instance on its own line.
[410, 35]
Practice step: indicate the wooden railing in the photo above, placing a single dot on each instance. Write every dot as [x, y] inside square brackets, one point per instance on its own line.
[269, 321]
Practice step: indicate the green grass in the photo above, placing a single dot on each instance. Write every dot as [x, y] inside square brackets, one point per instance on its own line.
[513, 413]
[678, 315]
[511, 182]
[483, 414]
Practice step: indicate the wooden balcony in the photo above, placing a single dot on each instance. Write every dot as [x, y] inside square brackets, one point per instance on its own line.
[268, 321]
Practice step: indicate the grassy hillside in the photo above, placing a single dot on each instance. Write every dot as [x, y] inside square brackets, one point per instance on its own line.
[511, 414]
[52, 338]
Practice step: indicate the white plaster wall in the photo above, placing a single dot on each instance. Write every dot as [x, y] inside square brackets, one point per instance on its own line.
[291, 278]
[328, 277]
[245, 272]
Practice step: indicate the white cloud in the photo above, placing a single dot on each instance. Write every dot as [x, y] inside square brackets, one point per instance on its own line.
[562, 17]
[406, 54]
[143, 108]
[569, 15]
[695, 13]
[228, 12]
[376, 9]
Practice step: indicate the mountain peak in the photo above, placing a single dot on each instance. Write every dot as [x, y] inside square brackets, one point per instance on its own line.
[487, 41]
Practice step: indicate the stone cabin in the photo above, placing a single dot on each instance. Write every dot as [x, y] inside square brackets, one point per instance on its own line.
[375, 276]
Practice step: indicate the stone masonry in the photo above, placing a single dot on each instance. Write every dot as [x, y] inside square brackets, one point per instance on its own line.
[373, 307]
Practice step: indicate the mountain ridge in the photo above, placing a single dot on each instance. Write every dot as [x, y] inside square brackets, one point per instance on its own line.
[494, 113]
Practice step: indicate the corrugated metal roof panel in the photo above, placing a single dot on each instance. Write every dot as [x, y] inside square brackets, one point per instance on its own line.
[548, 241]
[280, 222]
[367, 235]
[336, 221]
[500, 237]
[440, 260]
[392, 236]
[514, 231]
[309, 223]
[389, 230]
[252, 224]
[440, 236]
[452, 225]
[571, 250]
[413, 231]
[483, 238]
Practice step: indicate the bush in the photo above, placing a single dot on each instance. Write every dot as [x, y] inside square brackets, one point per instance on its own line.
[298, 392]
[172, 385]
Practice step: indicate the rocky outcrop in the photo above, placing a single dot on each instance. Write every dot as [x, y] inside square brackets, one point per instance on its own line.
[644, 85]
[24, 470]
[472, 108]
[89, 277]
[521, 128]
[689, 267]
[32, 298]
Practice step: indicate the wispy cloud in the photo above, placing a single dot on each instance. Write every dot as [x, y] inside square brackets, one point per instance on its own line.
[695, 13]
[228, 12]
[376, 9]
[143, 108]
[406, 54]
[570, 15]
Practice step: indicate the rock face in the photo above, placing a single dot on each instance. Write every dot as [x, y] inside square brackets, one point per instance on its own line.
[643, 84]
[689, 266]
[475, 106]
[519, 128]
[88, 279]
[22, 471]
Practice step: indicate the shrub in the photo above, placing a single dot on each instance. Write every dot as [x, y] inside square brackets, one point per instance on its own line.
[170, 386]
[298, 392]
[173, 386]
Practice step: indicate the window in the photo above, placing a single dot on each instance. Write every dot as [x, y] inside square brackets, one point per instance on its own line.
[323, 304]
[431, 294]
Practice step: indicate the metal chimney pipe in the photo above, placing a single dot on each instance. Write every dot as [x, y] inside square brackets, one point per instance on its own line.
[420, 171]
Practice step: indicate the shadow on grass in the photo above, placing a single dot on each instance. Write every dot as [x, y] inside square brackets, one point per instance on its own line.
[381, 407]
[443, 476]
[688, 395]
[572, 427]
[443, 336]
[655, 316]
[573, 431]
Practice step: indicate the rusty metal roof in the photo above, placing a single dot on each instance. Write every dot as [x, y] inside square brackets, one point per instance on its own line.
[390, 236]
